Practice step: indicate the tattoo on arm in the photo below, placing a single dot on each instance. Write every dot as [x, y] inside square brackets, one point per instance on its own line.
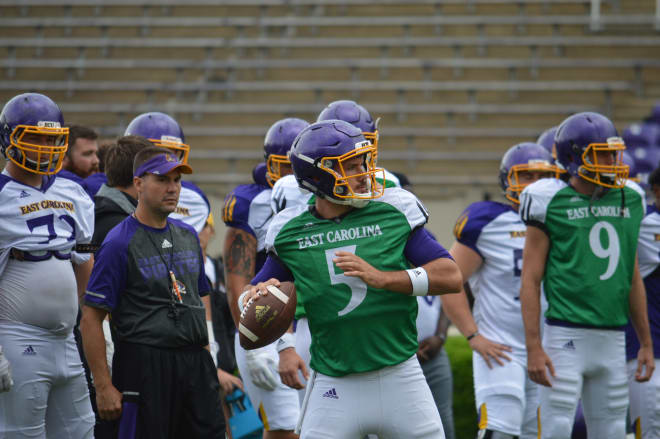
[241, 254]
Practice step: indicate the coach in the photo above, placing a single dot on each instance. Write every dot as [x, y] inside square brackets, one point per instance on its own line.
[149, 275]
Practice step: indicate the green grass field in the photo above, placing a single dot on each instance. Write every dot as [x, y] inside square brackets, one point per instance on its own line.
[465, 417]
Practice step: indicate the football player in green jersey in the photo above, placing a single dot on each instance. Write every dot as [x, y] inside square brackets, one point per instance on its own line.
[350, 255]
[581, 244]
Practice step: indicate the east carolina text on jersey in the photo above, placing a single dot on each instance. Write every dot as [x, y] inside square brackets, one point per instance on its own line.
[594, 247]
[344, 311]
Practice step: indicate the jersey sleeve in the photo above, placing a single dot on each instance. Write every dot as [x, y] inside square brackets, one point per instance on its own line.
[408, 204]
[534, 201]
[108, 277]
[474, 218]
[84, 220]
[634, 186]
[236, 210]
[277, 223]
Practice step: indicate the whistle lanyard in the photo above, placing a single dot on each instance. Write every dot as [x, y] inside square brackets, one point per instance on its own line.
[175, 291]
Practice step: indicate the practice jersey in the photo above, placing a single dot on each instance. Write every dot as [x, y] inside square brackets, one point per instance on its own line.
[591, 259]
[131, 280]
[193, 207]
[648, 252]
[428, 314]
[495, 232]
[46, 221]
[247, 207]
[355, 328]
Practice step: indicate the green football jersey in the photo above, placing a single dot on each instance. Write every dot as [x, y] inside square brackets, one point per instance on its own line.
[354, 327]
[593, 243]
[300, 309]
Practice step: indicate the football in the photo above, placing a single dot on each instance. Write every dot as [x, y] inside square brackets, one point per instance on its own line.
[265, 318]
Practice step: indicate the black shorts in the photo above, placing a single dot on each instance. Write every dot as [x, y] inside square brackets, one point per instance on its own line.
[167, 393]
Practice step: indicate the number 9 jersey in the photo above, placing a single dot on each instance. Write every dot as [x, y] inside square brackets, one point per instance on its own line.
[593, 243]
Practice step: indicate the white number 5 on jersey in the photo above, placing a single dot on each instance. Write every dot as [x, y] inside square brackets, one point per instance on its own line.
[357, 285]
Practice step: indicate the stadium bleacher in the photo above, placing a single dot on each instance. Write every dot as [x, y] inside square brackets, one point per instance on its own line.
[455, 81]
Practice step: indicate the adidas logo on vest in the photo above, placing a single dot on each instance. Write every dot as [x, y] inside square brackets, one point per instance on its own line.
[167, 244]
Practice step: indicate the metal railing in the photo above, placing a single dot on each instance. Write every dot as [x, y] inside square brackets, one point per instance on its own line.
[596, 19]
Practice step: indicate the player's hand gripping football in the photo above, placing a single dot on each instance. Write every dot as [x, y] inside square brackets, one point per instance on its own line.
[353, 265]
[537, 362]
[290, 363]
[261, 365]
[5, 373]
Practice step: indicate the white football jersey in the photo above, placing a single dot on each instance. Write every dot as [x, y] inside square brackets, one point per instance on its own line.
[54, 218]
[428, 313]
[193, 208]
[287, 193]
[247, 208]
[648, 248]
[496, 232]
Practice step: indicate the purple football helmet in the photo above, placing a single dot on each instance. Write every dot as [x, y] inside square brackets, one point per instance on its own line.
[355, 114]
[277, 143]
[523, 157]
[581, 139]
[32, 135]
[161, 130]
[547, 139]
[655, 114]
[642, 135]
[646, 161]
[319, 158]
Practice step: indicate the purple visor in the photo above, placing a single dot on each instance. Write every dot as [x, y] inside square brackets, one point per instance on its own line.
[162, 164]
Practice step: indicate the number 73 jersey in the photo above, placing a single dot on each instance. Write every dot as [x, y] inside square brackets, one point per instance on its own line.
[593, 243]
[53, 218]
[355, 328]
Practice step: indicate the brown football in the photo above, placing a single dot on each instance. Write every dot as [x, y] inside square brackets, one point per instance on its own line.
[265, 318]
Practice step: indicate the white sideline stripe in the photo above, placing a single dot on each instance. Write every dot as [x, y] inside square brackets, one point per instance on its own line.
[278, 293]
[246, 332]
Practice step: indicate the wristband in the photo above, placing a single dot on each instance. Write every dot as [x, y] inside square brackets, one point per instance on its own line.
[420, 281]
[286, 341]
[471, 336]
[240, 301]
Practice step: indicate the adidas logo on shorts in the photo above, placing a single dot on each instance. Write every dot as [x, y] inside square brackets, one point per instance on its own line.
[569, 345]
[332, 393]
[29, 351]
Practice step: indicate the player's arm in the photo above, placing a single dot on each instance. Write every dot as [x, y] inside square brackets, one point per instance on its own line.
[440, 273]
[82, 273]
[640, 321]
[458, 309]
[535, 255]
[240, 252]
[108, 398]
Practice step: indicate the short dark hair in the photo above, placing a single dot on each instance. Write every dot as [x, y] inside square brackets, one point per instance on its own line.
[654, 178]
[147, 153]
[102, 153]
[119, 160]
[79, 132]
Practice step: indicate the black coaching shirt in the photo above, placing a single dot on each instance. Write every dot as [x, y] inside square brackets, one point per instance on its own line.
[131, 281]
